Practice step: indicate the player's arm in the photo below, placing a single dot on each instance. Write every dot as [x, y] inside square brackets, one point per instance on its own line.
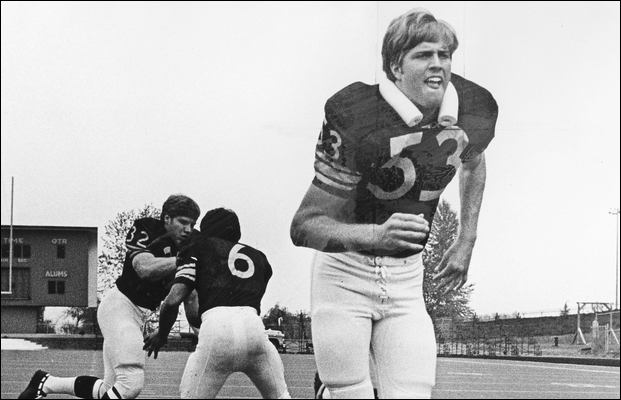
[322, 223]
[478, 119]
[325, 220]
[168, 315]
[190, 305]
[471, 186]
[170, 307]
[153, 268]
[140, 241]
[452, 272]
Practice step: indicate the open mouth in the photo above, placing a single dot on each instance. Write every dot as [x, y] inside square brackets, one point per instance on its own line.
[434, 82]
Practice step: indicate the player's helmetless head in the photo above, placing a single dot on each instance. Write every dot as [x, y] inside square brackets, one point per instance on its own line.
[179, 214]
[417, 54]
[221, 223]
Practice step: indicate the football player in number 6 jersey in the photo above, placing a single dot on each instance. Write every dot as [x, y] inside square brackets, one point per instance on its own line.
[385, 154]
[230, 278]
[148, 271]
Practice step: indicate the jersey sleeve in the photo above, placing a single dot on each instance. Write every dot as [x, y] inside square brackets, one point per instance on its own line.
[186, 272]
[139, 239]
[335, 166]
[478, 115]
[187, 260]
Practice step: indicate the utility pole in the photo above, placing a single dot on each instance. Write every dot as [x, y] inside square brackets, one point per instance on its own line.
[615, 212]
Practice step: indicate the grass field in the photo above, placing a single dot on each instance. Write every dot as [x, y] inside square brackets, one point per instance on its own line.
[456, 378]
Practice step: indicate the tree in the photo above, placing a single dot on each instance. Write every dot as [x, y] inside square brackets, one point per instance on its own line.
[442, 235]
[565, 310]
[110, 262]
[275, 316]
[112, 257]
[83, 320]
[280, 318]
[44, 325]
[293, 325]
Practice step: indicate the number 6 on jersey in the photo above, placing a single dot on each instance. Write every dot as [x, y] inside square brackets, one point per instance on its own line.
[235, 255]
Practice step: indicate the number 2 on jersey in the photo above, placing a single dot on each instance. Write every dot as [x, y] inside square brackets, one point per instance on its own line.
[140, 242]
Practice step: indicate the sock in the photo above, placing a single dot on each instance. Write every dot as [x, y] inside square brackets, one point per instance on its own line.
[87, 387]
[54, 384]
[112, 394]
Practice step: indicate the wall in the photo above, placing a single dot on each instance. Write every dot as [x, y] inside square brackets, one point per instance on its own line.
[19, 319]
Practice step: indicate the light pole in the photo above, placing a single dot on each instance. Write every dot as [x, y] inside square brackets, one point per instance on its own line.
[615, 212]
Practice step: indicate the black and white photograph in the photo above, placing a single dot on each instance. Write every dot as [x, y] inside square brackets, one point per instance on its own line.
[321, 200]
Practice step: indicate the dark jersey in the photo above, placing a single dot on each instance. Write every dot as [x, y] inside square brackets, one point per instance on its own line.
[225, 274]
[368, 154]
[147, 235]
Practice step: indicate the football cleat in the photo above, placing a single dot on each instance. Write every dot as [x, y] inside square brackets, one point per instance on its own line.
[34, 390]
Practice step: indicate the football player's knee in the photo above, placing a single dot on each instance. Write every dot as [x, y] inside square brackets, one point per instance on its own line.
[130, 382]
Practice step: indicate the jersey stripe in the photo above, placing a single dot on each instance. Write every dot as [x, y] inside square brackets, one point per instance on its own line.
[343, 179]
[327, 160]
[186, 273]
[330, 182]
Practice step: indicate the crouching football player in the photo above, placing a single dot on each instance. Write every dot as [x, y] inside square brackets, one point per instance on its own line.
[230, 279]
[148, 271]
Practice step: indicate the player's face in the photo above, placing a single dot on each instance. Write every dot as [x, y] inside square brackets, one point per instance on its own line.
[424, 74]
[179, 227]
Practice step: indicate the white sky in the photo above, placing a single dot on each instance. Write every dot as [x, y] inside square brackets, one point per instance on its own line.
[109, 106]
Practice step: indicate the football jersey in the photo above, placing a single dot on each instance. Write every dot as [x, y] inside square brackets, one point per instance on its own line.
[225, 274]
[367, 153]
[147, 235]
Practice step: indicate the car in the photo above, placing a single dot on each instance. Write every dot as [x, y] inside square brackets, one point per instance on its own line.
[277, 338]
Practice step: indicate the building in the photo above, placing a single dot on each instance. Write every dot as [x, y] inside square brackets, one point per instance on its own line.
[52, 266]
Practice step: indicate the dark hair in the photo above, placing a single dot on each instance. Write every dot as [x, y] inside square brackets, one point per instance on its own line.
[180, 205]
[408, 31]
[221, 223]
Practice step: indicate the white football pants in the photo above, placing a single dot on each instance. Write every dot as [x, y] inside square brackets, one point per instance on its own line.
[233, 339]
[121, 323]
[372, 309]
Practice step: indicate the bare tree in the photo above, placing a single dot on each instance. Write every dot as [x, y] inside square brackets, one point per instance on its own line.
[112, 256]
[109, 266]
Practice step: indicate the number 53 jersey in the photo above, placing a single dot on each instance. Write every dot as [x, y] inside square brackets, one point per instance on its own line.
[367, 153]
[225, 274]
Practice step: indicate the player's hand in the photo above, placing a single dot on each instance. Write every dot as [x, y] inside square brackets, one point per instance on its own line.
[452, 271]
[402, 232]
[153, 343]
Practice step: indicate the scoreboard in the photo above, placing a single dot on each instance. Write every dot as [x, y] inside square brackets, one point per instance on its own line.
[51, 266]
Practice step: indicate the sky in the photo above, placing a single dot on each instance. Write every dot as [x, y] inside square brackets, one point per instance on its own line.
[110, 106]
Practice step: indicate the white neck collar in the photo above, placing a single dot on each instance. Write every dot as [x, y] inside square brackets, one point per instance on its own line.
[408, 111]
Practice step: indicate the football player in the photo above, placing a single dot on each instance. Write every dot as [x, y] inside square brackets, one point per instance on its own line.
[230, 278]
[385, 154]
[148, 271]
